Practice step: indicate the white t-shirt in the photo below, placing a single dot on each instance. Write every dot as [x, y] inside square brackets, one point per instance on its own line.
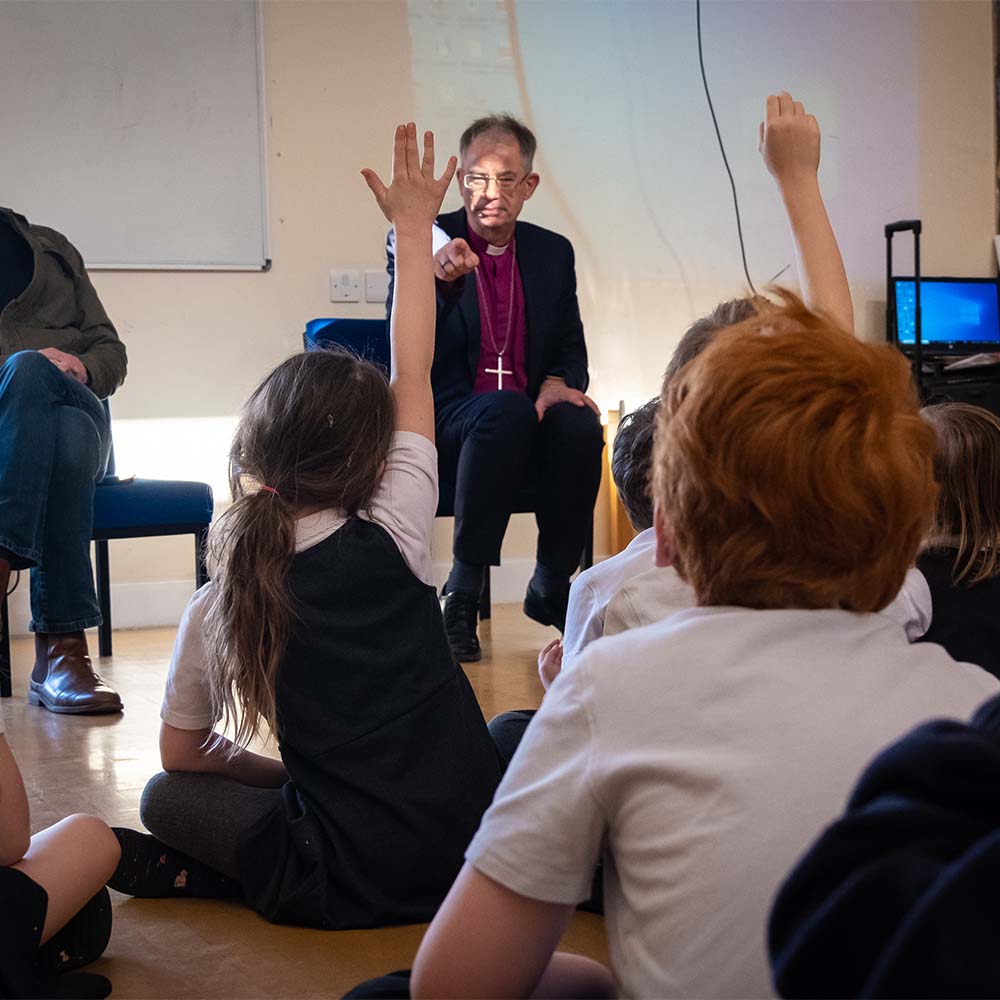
[705, 752]
[913, 607]
[657, 592]
[404, 504]
[594, 587]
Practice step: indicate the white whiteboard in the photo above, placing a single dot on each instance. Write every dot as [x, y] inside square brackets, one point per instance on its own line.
[136, 127]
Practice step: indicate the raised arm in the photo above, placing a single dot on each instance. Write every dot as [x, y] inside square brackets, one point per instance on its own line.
[790, 145]
[411, 203]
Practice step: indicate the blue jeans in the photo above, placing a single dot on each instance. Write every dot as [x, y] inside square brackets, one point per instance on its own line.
[54, 445]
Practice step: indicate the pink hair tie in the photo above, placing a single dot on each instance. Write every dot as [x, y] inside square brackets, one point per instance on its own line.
[271, 489]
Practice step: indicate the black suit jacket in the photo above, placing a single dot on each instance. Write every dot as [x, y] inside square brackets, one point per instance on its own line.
[555, 344]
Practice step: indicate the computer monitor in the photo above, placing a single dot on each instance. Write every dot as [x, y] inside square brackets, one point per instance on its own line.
[958, 315]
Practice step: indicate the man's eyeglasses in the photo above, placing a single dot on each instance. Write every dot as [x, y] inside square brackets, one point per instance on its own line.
[480, 182]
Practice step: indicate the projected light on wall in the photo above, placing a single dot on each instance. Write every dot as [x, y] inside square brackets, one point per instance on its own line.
[628, 157]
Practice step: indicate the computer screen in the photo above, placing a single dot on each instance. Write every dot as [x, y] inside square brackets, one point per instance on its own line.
[959, 315]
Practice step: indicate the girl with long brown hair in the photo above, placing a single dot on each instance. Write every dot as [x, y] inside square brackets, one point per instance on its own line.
[322, 627]
[961, 560]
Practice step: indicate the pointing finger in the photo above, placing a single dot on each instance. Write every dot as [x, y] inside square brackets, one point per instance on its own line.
[786, 106]
[773, 109]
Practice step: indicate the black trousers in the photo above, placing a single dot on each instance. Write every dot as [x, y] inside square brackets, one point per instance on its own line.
[490, 446]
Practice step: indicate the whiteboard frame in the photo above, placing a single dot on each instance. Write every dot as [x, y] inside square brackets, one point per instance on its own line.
[264, 183]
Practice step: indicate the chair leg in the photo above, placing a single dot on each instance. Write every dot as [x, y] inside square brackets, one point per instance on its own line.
[5, 684]
[484, 596]
[200, 548]
[103, 595]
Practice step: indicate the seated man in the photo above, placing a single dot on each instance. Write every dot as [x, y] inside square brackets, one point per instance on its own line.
[509, 374]
[792, 480]
[61, 356]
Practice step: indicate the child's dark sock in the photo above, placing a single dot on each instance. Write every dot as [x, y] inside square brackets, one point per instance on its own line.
[151, 870]
[81, 941]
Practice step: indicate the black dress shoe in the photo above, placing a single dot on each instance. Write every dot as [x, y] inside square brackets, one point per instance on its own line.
[546, 609]
[461, 611]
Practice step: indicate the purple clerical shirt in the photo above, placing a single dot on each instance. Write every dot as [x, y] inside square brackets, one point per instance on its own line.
[493, 289]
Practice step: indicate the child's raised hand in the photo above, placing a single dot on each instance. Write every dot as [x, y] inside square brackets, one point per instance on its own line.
[789, 140]
[413, 196]
[550, 662]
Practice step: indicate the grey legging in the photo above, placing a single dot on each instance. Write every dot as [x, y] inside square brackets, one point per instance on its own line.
[204, 815]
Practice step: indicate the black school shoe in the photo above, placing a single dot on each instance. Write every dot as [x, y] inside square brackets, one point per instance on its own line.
[546, 609]
[148, 869]
[461, 612]
[81, 941]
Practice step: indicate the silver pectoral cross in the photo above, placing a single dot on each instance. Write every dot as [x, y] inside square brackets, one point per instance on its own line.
[499, 371]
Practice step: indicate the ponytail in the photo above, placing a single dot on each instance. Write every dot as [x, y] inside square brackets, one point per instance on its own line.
[317, 431]
[249, 618]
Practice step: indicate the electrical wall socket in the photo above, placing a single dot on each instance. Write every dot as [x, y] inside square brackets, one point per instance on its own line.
[345, 286]
[376, 286]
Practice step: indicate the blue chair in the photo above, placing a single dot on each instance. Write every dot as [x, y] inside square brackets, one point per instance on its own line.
[369, 339]
[132, 508]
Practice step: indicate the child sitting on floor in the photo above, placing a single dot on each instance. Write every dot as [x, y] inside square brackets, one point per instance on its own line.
[962, 559]
[55, 914]
[792, 483]
[322, 624]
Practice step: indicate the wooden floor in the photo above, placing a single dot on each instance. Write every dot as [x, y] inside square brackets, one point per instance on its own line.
[175, 948]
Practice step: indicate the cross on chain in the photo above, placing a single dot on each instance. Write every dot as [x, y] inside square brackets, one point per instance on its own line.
[499, 371]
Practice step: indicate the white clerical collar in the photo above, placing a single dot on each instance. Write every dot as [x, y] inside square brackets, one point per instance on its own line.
[496, 251]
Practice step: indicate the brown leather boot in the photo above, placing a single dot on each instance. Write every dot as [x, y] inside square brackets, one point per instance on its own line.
[64, 679]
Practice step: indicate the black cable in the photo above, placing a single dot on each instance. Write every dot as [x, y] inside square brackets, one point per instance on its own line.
[17, 580]
[722, 149]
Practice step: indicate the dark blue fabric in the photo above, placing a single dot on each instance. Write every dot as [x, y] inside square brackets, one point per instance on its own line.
[367, 338]
[17, 263]
[137, 504]
[492, 450]
[966, 619]
[901, 897]
[54, 445]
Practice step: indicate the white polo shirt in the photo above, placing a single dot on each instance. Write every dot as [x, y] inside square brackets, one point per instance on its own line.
[706, 752]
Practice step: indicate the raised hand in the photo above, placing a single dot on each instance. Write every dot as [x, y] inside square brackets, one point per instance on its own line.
[414, 196]
[789, 145]
[454, 260]
[789, 140]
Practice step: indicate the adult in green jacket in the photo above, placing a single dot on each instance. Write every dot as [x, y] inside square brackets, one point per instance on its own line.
[59, 357]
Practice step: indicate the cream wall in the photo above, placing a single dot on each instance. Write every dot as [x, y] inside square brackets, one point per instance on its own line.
[338, 77]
